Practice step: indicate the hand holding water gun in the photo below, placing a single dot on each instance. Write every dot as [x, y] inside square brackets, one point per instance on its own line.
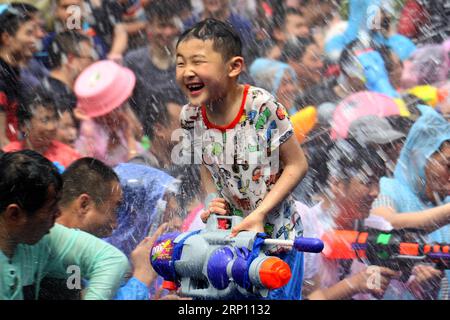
[209, 264]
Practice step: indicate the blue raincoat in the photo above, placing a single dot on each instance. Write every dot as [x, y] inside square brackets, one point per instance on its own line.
[407, 187]
[139, 215]
[268, 74]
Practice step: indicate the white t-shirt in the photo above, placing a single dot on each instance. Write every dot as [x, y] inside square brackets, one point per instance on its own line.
[243, 157]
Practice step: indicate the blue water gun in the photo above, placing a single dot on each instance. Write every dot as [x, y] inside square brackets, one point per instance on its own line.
[208, 264]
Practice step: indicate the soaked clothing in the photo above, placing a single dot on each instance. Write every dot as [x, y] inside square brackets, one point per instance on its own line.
[242, 157]
[101, 263]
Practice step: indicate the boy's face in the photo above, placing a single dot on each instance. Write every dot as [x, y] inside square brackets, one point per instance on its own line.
[85, 58]
[201, 71]
[437, 173]
[41, 129]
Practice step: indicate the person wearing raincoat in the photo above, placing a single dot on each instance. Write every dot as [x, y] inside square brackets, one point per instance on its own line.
[146, 205]
[278, 78]
[417, 195]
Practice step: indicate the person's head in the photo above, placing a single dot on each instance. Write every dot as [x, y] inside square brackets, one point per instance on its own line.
[377, 131]
[68, 127]
[39, 30]
[164, 26]
[90, 197]
[289, 24]
[352, 70]
[437, 173]
[209, 61]
[306, 58]
[67, 10]
[354, 173]
[72, 52]
[30, 189]
[276, 77]
[17, 32]
[38, 118]
[163, 119]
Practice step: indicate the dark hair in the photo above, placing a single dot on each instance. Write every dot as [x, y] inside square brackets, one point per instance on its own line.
[65, 43]
[25, 7]
[295, 50]
[26, 178]
[157, 106]
[348, 157]
[90, 176]
[37, 97]
[11, 19]
[225, 39]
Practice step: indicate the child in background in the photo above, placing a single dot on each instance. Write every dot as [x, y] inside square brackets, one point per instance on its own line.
[68, 128]
[209, 61]
[108, 128]
[38, 121]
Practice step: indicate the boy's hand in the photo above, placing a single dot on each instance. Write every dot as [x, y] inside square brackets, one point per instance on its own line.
[253, 222]
[218, 206]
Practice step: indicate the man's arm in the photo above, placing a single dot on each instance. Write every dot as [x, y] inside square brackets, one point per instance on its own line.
[120, 42]
[99, 262]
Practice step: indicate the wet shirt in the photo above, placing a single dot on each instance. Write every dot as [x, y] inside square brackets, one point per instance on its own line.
[101, 263]
[243, 157]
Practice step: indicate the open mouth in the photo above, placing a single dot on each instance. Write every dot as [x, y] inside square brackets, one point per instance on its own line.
[195, 88]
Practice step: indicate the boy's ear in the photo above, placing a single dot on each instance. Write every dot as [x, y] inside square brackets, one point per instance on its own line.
[5, 39]
[236, 67]
[158, 129]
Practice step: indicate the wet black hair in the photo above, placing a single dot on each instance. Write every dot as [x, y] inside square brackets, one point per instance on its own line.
[37, 97]
[89, 176]
[26, 178]
[12, 18]
[65, 43]
[225, 39]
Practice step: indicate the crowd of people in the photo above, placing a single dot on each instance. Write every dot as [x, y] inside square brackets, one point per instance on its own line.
[121, 120]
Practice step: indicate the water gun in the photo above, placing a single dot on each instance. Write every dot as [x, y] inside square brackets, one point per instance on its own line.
[397, 250]
[431, 95]
[208, 264]
[303, 122]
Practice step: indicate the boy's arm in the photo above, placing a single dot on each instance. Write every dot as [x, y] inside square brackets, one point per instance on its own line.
[208, 185]
[295, 166]
[99, 262]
